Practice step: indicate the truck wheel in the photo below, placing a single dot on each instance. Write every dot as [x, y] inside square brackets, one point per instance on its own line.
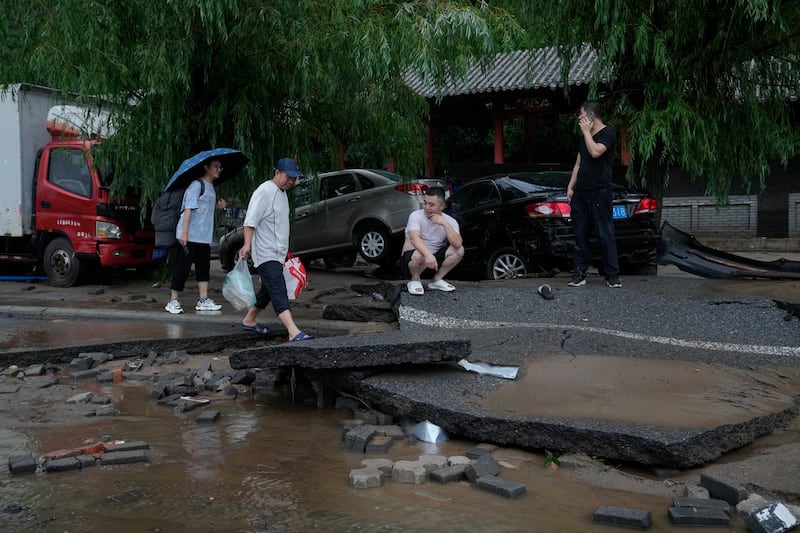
[60, 263]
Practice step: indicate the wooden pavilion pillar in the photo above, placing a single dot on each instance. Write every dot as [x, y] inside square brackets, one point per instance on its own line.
[429, 161]
[499, 141]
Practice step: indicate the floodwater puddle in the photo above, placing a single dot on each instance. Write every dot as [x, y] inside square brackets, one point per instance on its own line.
[275, 467]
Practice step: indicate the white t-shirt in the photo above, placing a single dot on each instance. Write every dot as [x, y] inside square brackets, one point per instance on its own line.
[433, 235]
[268, 213]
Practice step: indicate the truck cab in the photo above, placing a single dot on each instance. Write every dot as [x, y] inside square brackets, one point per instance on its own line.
[65, 217]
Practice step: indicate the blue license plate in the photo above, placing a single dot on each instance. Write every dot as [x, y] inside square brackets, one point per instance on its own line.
[620, 212]
[159, 253]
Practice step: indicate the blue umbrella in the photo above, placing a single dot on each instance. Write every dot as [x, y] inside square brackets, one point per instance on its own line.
[233, 161]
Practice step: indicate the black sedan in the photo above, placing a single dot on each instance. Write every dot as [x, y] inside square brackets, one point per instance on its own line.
[513, 224]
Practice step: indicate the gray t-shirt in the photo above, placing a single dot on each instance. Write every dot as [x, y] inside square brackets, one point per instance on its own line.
[201, 225]
[268, 214]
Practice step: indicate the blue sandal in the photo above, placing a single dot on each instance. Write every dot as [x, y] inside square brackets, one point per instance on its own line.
[261, 329]
[302, 336]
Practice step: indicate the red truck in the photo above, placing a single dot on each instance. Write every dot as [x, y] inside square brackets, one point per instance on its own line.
[55, 208]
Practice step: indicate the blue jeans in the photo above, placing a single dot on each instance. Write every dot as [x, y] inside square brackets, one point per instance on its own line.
[594, 208]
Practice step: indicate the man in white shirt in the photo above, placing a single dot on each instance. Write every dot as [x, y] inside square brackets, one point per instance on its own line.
[266, 239]
[433, 242]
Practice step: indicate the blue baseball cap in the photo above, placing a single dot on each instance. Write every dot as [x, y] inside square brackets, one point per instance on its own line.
[289, 165]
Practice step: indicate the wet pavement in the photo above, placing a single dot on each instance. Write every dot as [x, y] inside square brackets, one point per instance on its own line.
[285, 460]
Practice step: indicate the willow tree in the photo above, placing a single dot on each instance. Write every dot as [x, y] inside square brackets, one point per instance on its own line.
[704, 87]
[272, 78]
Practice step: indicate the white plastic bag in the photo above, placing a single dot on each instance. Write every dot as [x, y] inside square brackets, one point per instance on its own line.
[294, 273]
[238, 286]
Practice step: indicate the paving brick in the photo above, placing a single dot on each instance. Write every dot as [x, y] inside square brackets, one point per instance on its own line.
[458, 460]
[83, 397]
[485, 465]
[409, 472]
[357, 438]
[22, 464]
[366, 478]
[80, 363]
[84, 374]
[448, 474]
[367, 415]
[34, 370]
[392, 431]
[384, 465]
[504, 487]
[105, 410]
[123, 458]
[378, 444]
[432, 462]
[207, 417]
[622, 517]
[723, 489]
[774, 518]
[702, 503]
[62, 465]
[696, 491]
[86, 460]
[480, 450]
[697, 517]
[125, 446]
[347, 425]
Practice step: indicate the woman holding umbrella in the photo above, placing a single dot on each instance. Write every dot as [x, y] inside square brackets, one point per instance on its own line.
[194, 233]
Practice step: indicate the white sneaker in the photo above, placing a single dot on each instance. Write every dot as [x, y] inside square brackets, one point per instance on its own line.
[207, 304]
[174, 307]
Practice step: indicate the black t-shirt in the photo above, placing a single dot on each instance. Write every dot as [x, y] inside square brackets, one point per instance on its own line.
[595, 173]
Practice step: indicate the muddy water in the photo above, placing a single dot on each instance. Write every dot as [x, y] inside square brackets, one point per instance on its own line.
[276, 467]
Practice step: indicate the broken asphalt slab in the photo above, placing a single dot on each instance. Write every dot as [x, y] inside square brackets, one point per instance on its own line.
[358, 351]
[710, 353]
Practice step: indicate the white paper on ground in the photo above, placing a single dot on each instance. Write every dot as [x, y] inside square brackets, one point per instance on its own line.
[507, 372]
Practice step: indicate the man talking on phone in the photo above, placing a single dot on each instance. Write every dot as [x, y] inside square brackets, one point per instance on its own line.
[591, 195]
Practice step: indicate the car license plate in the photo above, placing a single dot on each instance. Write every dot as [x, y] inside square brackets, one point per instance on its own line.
[159, 253]
[620, 212]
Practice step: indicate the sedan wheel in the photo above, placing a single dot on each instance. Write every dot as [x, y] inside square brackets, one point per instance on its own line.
[373, 243]
[505, 264]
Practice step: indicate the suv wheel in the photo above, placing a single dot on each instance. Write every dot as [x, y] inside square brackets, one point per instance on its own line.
[505, 263]
[374, 243]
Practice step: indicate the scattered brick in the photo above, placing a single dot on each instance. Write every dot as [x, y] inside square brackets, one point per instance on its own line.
[622, 517]
[409, 472]
[384, 465]
[696, 491]
[21, 464]
[775, 518]
[367, 415]
[391, 431]
[504, 487]
[105, 410]
[479, 450]
[378, 444]
[723, 489]
[83, 397]
[207, 416]
[484, 466]
[695, 516]
[702, 503]
[84, 374]
[458, 460]
[86, 460]
[122, 458]
[432, 462]
[62, 465]
[448, 474]
[357, 438]
[365, 478]
[122, 446]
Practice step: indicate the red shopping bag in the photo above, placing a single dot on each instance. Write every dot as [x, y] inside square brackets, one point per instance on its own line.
[294, 273]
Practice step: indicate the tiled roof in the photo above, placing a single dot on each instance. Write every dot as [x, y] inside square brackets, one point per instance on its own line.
[523, 69]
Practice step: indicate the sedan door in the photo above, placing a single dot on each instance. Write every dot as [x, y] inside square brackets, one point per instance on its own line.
[475, 207]
[324, 224]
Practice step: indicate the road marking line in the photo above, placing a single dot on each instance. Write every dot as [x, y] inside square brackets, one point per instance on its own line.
[418, 316]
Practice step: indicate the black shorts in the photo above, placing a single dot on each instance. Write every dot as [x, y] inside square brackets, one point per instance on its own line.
[427, 273]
